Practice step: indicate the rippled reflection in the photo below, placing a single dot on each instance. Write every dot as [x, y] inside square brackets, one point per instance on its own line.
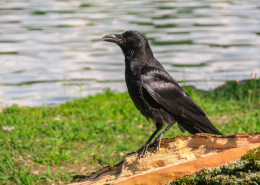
[51, 51]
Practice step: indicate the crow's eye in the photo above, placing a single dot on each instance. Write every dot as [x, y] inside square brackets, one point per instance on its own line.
[127, 39]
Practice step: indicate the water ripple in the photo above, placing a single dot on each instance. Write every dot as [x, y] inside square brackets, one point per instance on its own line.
[51, 51]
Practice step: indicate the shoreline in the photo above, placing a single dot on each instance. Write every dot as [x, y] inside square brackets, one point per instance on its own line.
[225, 85]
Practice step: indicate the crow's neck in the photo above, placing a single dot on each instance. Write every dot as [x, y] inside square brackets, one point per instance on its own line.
[138, 56]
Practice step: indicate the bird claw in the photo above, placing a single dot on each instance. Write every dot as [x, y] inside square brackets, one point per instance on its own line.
[143, 151]
[157, 143]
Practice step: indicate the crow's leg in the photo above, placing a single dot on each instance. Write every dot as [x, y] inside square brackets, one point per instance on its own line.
[142, 151]
[157, 141]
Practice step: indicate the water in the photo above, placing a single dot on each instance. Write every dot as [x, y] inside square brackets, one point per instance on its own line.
[51, 51]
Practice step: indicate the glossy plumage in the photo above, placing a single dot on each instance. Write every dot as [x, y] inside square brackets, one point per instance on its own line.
[155, 93]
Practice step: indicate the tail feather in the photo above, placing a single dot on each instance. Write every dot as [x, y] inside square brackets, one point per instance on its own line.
[197, 123]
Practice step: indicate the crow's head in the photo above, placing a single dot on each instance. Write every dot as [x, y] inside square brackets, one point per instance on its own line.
[129, 40]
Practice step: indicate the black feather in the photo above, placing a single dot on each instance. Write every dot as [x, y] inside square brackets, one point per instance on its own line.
[155, 93]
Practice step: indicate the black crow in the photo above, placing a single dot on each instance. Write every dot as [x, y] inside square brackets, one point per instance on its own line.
[155, 93]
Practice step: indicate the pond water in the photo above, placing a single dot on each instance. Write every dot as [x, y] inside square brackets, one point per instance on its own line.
[51, 51]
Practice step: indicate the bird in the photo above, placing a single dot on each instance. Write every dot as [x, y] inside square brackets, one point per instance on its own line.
[155, 93]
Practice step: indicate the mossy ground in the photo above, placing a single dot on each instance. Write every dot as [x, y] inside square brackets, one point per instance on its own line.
[245, 170]
[48, 145]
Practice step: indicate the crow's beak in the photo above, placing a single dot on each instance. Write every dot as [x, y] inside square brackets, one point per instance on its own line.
[116, 38]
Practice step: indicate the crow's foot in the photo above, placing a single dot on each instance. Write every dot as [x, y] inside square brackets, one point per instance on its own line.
[142, 151]
[157, 143]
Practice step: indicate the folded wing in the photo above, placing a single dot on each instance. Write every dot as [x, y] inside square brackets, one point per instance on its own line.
[173, 99]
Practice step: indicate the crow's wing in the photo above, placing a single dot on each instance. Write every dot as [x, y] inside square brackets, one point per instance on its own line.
[170, 96]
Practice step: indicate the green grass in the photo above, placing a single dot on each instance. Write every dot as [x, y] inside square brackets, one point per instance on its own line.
[51, 144]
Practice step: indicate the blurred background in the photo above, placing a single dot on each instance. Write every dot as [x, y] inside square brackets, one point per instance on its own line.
[51, 51]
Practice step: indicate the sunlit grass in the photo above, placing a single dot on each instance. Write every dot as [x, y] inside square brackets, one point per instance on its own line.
[45, 145]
